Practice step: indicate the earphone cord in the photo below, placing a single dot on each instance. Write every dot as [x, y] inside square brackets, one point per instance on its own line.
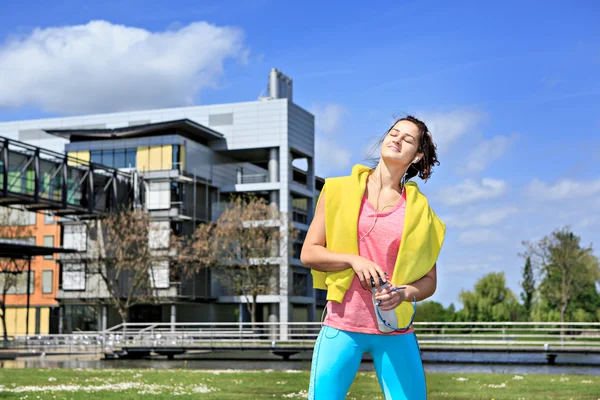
[402, 184]
[386, 323]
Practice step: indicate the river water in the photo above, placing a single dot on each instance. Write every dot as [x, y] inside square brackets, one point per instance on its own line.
[451, 362]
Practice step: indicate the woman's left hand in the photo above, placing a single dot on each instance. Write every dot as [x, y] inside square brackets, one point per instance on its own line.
[390, 299]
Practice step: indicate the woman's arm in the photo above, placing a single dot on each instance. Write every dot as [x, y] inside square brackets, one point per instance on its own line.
[316, 256]
[421, 289]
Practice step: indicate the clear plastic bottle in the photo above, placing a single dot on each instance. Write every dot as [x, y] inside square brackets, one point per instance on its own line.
[389, 316]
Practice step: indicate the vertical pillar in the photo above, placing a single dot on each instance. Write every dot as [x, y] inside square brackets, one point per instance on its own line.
[37, 320]
[104, 325]
[274, 164]
[173, 316]
[61, 320]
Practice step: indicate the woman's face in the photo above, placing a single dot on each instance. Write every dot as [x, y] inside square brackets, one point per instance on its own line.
[400, 145]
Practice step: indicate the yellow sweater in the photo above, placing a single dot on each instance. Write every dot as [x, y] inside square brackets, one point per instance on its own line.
[420, 246]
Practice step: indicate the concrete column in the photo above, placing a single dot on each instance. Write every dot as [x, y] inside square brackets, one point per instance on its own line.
[37, 320]
[273, 330]
[61, 317]
[310, 173]
[274, 164]
[173, 316]
[104, 325]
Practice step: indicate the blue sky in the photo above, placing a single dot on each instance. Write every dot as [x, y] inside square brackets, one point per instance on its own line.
[510, 91]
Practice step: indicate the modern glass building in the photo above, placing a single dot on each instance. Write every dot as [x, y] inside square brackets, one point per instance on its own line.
[190, 161]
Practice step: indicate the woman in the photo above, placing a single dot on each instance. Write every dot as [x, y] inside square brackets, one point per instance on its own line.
[369, 226]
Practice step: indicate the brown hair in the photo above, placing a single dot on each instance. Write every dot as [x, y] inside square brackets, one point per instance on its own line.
[424, 167]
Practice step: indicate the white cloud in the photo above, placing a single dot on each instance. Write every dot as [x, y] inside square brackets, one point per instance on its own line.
[480, 219]
[329, 117]
[330, 157]
[562, 190]
[446, 128]
[102, 67]
[486, 152]
[471, 191]
[479, 236]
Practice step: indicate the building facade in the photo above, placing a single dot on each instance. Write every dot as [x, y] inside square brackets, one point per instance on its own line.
[191, 160]
[40, 229]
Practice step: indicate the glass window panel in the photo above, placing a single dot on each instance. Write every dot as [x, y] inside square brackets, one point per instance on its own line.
[47, 281]
[119, 161]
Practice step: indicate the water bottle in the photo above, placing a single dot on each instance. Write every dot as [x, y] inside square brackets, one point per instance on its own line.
[389, 316]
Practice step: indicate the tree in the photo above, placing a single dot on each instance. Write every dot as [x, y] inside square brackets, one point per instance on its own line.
[491, 301]
[123, 259]
[13, 226]
[528, 285]
[432, 311]
[566, 269]
[243, 248]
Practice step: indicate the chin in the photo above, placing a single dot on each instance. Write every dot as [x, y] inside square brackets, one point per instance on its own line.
[394, 159]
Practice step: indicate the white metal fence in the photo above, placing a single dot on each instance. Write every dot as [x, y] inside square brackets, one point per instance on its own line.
[511, 336]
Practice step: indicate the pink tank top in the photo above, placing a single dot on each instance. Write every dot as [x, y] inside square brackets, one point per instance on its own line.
[356, 313]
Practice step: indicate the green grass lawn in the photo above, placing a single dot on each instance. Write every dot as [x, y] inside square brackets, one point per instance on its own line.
[230, 384]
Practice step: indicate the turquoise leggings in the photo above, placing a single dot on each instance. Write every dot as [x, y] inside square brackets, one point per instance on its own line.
[338, 354]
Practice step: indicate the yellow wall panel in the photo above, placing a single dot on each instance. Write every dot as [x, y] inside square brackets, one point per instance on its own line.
[167, 157]
[21, 320]
[83, 155]
[142, 158]
[182, 157]
[155, 155]
[15, 321]
[44, 320]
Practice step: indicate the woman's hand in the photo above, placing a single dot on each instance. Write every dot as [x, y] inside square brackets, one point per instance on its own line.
[391, 299]
[365, 270]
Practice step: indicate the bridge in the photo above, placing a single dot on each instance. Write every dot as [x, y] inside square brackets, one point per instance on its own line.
[136, 340]
[41, 179]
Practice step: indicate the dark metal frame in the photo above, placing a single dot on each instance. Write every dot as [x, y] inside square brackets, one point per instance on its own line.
[97, 189]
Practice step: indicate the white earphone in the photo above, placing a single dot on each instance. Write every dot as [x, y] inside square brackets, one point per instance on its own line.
[415, 160]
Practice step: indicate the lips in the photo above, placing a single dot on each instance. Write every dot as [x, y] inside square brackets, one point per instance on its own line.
[391, 146]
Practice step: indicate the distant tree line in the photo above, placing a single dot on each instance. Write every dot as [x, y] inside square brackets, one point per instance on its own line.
[560, 281]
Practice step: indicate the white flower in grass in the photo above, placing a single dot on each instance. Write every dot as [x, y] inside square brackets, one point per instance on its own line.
[461, 379]
[564, 379]
[585, 381]
[303, 394]
[51, 379]
[500, 386]
[517, 377]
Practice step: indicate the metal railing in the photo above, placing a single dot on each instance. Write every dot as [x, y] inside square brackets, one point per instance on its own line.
[448, 336]
[252, 178]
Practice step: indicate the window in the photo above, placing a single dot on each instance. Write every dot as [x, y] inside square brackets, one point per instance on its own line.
[158, 236]
[108, 158]
[159, 275]
[299, 285]
[119, 160]
[130, 157]
[49, 242]
[18, 281]
[96, 156]
[73, 276]
[75, 237]
[176, 158]
[158, 196]
[47, 281]
[13, 217]
[48, 218]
